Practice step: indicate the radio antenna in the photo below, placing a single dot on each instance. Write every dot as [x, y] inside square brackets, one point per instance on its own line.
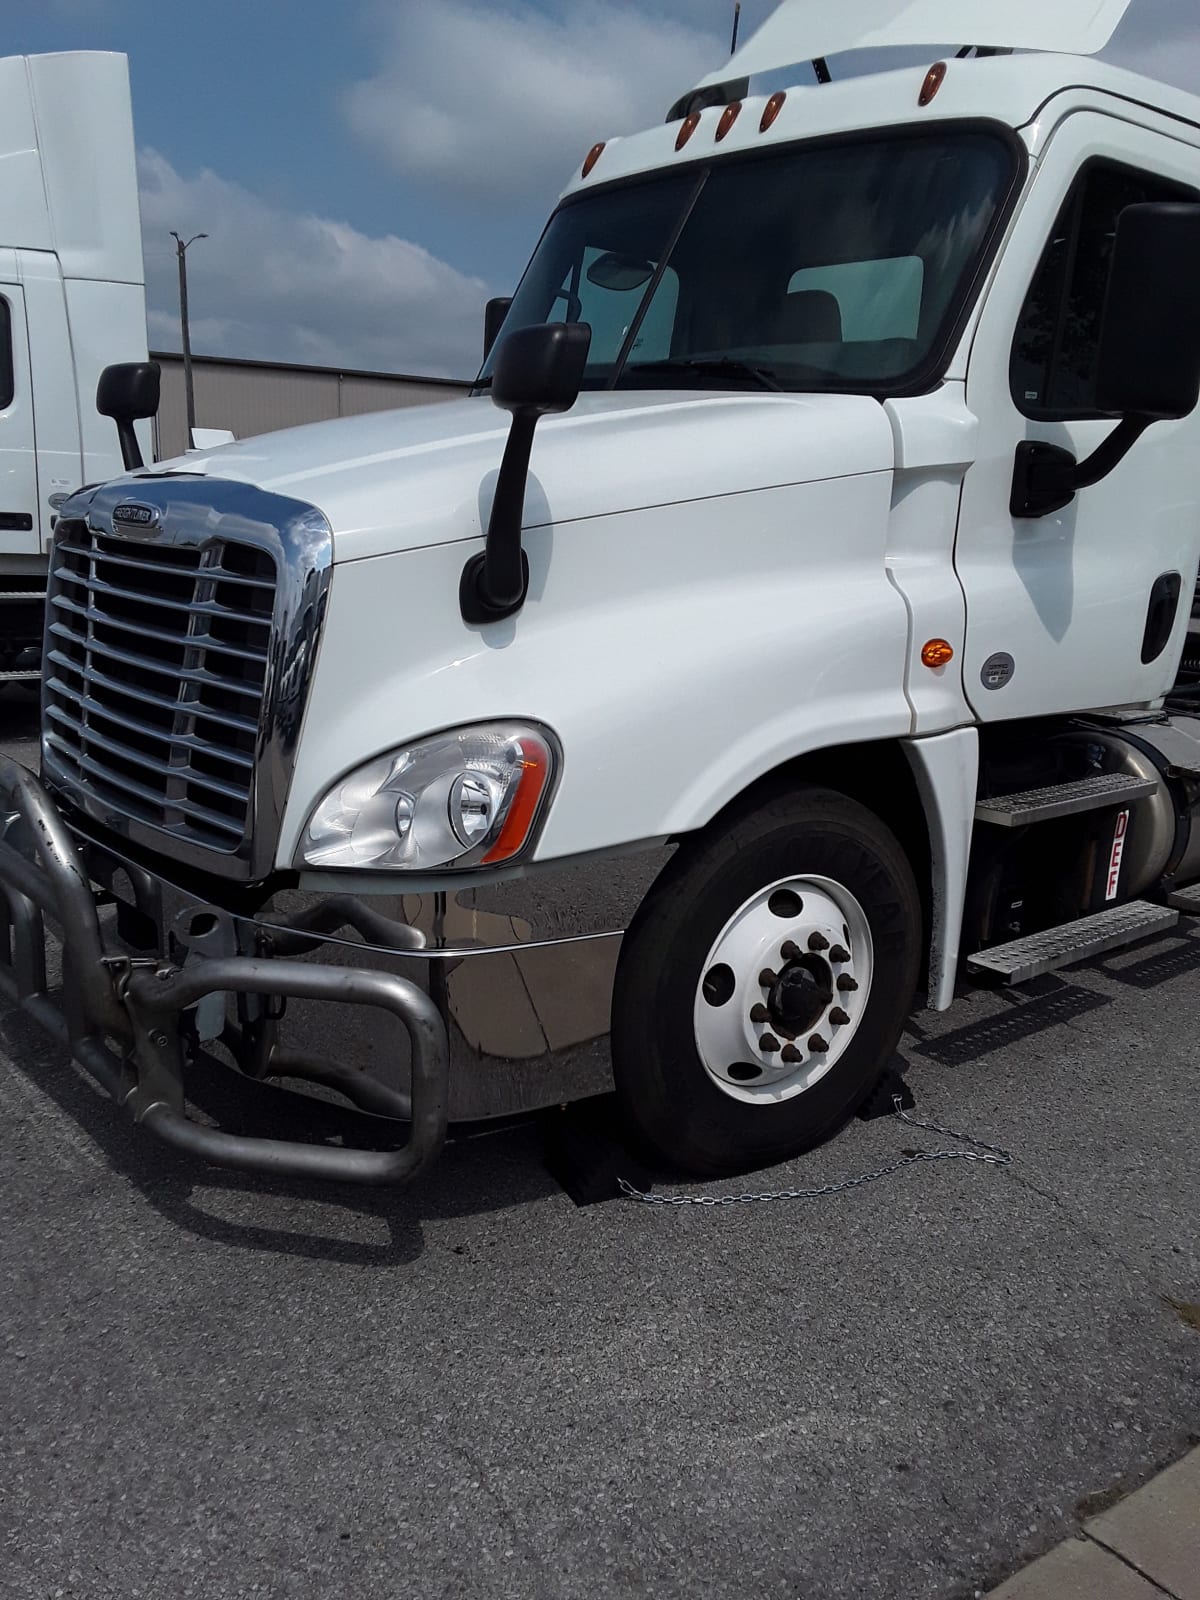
[737, 17]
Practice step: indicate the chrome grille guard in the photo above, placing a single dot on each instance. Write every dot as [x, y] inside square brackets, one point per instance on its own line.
[122, 1020]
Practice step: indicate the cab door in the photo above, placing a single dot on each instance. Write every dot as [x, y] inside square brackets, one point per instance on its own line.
[19, 530]
[1087, 607]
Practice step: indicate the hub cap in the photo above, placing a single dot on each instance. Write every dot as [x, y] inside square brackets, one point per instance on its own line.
[783, 990]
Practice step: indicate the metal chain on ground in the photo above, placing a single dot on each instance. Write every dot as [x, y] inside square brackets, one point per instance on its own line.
[989, 1154]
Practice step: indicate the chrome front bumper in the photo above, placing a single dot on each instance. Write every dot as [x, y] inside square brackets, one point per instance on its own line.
[453, 1008]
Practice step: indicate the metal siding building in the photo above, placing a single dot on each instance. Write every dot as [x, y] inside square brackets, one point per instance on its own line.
[250, 397]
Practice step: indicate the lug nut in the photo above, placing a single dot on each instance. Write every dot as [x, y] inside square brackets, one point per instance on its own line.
[791, 951]
[791, 1055]
[817, 942]
[768, 979]
[847, 984]
[759, 1013]
[817, 1045]
[769, 1043]
[838, 1017]
[839, 953]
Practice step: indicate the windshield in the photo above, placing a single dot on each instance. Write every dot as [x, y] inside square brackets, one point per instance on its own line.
[831, 265]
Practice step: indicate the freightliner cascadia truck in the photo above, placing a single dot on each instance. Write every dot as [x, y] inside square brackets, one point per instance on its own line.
[789, 631]
[71, 302]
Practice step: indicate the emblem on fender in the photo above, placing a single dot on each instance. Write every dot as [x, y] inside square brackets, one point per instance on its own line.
[132, 514]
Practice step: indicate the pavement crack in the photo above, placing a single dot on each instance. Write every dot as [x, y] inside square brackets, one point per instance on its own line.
[1132, 1565]
[506, 1517]
[1102, 1242]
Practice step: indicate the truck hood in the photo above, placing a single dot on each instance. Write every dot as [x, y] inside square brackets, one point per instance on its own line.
[424, 475]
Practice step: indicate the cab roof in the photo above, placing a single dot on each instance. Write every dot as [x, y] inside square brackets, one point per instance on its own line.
[1016, 91]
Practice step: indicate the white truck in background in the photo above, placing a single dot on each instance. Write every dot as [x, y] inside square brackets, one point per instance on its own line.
[72, 301]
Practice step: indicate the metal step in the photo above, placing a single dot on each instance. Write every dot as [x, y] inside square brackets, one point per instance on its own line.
[1024, 959]
[1062, 799]
[1186, 900]
[21, 677]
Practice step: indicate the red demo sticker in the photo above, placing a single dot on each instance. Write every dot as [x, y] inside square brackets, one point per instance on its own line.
[1118, 852]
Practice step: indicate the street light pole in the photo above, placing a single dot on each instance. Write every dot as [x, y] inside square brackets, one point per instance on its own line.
[181, 248]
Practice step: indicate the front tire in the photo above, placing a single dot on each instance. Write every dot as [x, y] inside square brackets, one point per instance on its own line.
[764, 982]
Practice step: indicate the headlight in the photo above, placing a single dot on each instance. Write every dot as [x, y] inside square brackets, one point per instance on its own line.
[472, 797]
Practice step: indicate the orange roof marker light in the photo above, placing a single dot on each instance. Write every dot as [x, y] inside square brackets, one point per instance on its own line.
[728, 117]
[937, 653]
[690, 123]
[933, 82]
[772, 109]
[593, 156]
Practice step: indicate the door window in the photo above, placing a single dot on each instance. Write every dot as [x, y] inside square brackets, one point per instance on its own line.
[7, 385]
[1053, 367]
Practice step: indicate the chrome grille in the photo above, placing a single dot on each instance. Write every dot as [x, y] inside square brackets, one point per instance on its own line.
[155, 675]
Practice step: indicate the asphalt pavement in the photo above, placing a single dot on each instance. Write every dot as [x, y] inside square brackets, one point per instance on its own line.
[215, 1386]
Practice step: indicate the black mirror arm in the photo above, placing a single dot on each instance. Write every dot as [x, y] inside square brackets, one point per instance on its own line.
[494, 583]
[131, 451]
[1046, 477]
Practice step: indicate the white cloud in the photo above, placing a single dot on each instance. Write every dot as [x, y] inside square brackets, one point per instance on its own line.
[501, 100]
[294, 287]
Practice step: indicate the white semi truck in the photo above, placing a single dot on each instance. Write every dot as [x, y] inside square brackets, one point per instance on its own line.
[72, 301]
[789, 629]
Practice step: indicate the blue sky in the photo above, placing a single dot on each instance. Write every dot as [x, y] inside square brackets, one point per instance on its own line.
[370, 170]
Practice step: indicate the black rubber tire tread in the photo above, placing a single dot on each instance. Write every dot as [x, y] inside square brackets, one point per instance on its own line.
[664, 1090]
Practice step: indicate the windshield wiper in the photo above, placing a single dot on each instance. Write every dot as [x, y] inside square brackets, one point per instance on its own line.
[716, 365]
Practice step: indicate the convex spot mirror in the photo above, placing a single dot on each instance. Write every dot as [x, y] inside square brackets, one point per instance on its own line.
[1149, 360]
[620, 273]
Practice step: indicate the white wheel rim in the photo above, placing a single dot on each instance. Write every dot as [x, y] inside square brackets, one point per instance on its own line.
[794, 932]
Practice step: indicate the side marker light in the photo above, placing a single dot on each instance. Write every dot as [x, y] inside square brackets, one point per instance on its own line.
[937, 653]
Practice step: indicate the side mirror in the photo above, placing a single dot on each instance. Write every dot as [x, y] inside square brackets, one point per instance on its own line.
[1150, 338]
[494, 314]
[1148, 365]
[127, 392]
[537, 371]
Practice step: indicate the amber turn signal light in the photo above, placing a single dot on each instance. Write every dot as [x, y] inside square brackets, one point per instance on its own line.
[937, 653]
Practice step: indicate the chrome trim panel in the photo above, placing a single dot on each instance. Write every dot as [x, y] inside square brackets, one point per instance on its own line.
[207, 516]
[526, 992]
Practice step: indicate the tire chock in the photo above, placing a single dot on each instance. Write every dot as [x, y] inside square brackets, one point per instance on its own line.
[881, 1102]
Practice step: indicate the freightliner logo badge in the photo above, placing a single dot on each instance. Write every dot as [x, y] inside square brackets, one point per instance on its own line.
[130, 514]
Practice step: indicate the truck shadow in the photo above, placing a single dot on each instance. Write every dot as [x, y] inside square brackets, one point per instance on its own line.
[1040, 1005]
[325, 1222]
[1049, 1000]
